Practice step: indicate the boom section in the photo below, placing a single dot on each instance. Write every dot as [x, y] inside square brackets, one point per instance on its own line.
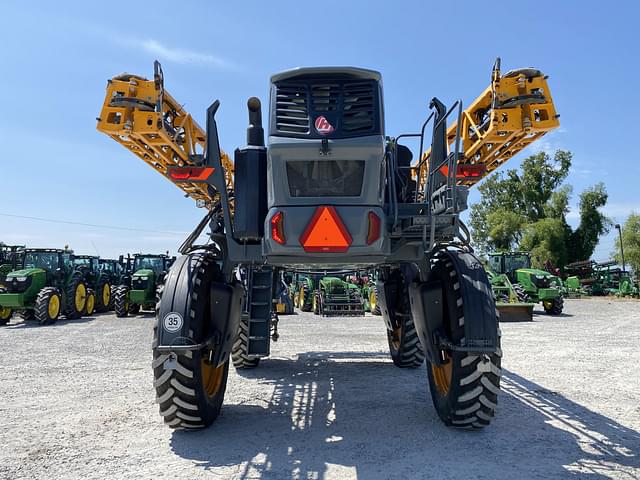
[514, 111]
[144, 118]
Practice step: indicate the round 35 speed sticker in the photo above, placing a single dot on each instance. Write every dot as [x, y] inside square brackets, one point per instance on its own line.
[172, 322]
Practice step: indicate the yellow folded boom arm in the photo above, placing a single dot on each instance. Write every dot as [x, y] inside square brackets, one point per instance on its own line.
[513, 112]
[143, 117]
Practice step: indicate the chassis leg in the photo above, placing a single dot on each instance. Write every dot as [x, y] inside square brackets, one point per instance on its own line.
[191, 377]
[465, 387]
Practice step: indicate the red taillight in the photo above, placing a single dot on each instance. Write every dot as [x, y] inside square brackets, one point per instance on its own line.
[190, 173]
[471, 171]
[466, 170]
[326, 232]
[277, 228]
[373, 232]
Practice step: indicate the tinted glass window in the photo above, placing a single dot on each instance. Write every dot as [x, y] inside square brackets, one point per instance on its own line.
[325, 178]
[46, 260]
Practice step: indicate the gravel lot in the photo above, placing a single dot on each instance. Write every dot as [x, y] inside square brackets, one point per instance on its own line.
[77, 402]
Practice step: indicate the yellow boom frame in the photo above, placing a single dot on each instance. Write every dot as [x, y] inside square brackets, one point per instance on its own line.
[513, 112]
[143, 117]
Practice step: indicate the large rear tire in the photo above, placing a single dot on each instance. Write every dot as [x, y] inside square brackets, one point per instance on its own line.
[76, 297]
[48, 306]
[189, 391]
[239, 353]
[90, 304]
[465, 389]
[121, 301]
[103, 296]
[306, 298]
[404, 344]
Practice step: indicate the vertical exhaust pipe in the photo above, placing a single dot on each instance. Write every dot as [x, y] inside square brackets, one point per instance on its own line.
[255, 132]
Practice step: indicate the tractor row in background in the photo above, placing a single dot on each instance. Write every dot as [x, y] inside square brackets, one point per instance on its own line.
[43, 284]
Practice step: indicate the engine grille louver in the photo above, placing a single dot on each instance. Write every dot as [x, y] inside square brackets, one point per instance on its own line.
[292, 114]
[354, 103]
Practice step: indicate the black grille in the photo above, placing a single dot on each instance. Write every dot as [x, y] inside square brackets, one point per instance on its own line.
[358, 107]
[351, 107]
[292, 114]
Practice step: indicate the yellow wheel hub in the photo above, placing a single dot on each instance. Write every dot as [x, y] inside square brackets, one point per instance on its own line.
[5, 312]
[106, 294]
[314, 303]
[81, 297]
[212, 378]
[91, 303]
[53, 309]
[547, 304]
[372, 300]
[442, 376]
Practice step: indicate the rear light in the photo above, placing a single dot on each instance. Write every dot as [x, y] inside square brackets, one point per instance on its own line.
[373, 232]
[471, 171]
[277, 228]
[190, 173]
[466, 170]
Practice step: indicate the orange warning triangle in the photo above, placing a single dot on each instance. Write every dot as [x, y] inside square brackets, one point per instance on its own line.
[326, 232]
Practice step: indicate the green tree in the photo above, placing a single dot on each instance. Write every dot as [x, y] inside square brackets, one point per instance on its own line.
[527, 209]
[630, 242]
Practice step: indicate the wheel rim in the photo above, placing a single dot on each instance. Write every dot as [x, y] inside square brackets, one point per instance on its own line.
[81, 297]
[54, 306]
[90, 304]
[315, 304]
[5, 313]
[301, 301]
[442, 376]
[396, 334]
[106, 294]
[548, 304]
[211, 378]
[372, 301]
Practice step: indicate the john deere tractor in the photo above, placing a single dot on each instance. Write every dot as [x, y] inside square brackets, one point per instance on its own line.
[529, 284]
[97, 280]
[45, 286]
[114, 271]
[369, 292]
[141, 291]
[337, 297]
[329, 190]
[302, 288]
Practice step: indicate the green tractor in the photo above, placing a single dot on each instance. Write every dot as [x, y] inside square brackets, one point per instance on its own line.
[369, 293]
[115, 272]
[529, 284]
[301, 291]
[45, 285]
[140, 289]
[10, 256]
[97, 280]
[510, 301]
[337, 297]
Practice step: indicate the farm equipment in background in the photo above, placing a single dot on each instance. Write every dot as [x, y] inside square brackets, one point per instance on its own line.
[283, 300]
[366, 281]
[98, 282]
[302, 288]
[45, 286]
[10, 256]
[511, 300]
[338, 194]
[115, 273]
[335, 297]
[148, 273]
[530, 284]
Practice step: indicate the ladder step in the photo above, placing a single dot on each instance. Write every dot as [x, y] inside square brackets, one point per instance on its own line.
[260, 304]
[260, 287]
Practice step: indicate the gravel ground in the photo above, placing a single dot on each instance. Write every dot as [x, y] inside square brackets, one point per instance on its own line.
[77, 402]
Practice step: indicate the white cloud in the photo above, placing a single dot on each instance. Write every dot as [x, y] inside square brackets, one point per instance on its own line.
[180, 55]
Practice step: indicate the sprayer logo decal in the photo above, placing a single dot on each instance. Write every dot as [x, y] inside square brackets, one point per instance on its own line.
[323, 126]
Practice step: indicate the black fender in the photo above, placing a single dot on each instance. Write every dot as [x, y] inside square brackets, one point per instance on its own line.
[428, 307]
[194, 292]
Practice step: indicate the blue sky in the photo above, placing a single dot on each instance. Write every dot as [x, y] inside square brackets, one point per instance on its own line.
[57, 56]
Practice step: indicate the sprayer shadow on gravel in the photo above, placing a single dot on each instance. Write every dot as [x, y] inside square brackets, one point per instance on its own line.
[356, 411]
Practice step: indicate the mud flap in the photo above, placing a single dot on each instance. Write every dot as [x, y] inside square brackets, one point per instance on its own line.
[427, 308]
[178, 310]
